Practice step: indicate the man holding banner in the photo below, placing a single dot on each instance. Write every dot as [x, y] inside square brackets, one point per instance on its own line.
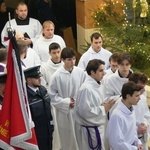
[16, 126]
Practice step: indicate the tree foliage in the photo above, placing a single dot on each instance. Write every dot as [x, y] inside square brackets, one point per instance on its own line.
[124, 29]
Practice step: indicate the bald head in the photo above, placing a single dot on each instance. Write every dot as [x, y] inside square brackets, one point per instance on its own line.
[19, 35]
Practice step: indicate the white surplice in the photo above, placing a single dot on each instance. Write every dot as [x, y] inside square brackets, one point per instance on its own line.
[41, 46]
[48, 68]
[33, 29]
[63, 86]
[142, 115]
[32, 59]
[89, 112]
[121, 130]
[90, 54]
[112, 85]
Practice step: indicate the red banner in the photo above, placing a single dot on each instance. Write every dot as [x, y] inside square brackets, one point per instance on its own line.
[16, 126]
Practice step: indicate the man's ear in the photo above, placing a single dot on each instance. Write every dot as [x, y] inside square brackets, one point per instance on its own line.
[16, 11]
[92, 72]
[28, 80]
[128, 96]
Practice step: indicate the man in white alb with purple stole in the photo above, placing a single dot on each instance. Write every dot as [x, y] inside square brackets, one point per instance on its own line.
[90, 111]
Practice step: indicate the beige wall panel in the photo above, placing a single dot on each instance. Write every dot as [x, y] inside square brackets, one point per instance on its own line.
[82, 36]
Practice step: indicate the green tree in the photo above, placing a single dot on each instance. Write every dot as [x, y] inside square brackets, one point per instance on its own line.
[126, 30]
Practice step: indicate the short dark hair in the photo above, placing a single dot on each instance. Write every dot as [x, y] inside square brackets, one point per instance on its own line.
[53, 46]
[95, 35]
[129, 88]
[138, 77]
[21, 3]
[114, 57]
[68, 52]
[3, 54]
[124, 56]
[93, 65]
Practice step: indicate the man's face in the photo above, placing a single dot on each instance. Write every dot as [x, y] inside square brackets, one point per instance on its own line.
[55, 55]
[124, 67]
[134, 99]
[69, 63]
[3, 7]
[34, 82]
[96, 44]
[143, 85]
[22, 12]
[48, 31]
[113, 65]
[98, 75]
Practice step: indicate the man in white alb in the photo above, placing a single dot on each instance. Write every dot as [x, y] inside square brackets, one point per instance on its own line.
[142, 113]
[95, 52]
[41, 46]
[90, 111]
[54, 62]
[121, 130]
[29, 26]
[64, 86]
[31, 59]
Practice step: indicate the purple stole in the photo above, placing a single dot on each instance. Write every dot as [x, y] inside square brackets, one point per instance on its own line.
[2, 68]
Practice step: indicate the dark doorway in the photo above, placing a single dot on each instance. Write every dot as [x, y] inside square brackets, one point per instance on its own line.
[64, 12]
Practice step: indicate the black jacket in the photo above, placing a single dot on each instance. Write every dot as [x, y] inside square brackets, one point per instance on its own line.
[41, 115]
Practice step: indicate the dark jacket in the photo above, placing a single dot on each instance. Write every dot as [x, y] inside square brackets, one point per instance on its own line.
[1, 99]
[3, 20]
[41, 115]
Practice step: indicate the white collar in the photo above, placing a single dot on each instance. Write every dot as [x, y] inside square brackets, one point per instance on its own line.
[34, 89]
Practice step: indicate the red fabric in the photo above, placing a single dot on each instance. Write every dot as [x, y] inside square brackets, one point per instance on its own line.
[12, 123]
[6, 38]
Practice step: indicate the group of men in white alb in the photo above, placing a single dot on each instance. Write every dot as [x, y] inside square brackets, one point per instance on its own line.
[100, 104]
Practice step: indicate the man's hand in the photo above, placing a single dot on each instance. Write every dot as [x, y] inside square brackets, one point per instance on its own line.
[28, 41]
[140, 147]
[142, 128]
[108, 105]
[71, 102]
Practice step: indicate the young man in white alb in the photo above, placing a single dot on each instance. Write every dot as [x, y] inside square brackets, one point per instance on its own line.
[142, 113]
[47, 70]
[31, 59]
[113, 83]
[90, 110]
[64, 86]
[121, 130]
[113, 64]
[41, 46]
[54, 62]
[96, 51]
